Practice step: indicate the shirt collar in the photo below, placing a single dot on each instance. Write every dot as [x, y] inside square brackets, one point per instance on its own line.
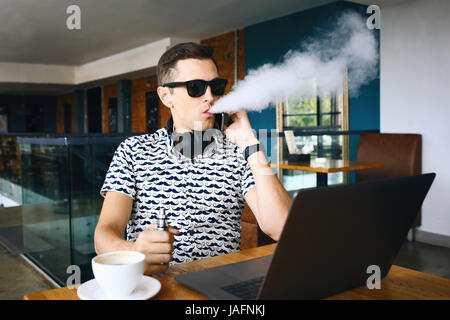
[215, 147]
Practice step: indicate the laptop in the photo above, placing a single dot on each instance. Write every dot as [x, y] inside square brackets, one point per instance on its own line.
[331, 237]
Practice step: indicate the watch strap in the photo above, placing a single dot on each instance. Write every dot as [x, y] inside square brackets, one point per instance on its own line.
[252, 149]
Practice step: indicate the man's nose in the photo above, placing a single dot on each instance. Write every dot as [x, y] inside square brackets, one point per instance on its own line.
[208, 96]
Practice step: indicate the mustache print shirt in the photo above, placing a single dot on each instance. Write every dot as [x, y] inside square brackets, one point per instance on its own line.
[203, 197]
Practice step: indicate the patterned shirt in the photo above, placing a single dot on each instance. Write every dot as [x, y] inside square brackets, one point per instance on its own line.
[203, 197]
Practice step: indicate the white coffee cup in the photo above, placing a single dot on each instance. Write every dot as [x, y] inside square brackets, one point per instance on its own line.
[118, 272]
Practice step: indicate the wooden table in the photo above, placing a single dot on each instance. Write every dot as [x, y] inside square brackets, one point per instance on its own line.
[400, 283]
[322, 169]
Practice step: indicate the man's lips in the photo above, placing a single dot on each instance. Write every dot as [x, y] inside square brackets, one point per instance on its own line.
[209, 114]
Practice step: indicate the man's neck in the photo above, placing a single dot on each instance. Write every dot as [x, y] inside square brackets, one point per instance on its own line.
[182, 130]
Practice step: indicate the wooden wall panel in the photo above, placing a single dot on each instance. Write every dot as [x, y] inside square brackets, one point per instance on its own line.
[108, 91]
[62, 100]
[60, 116]
[241, 55]
[139, 114]
[224, 54]
[223, 46]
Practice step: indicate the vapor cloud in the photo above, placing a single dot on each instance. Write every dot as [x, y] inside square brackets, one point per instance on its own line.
[351, 44]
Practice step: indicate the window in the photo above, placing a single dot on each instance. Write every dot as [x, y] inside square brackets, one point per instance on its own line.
[305, 116]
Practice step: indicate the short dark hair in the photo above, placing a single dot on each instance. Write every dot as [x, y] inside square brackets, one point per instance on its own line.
[166, 64]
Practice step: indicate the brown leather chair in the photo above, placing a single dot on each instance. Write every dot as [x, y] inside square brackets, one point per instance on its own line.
[251, 235]
[402, 154]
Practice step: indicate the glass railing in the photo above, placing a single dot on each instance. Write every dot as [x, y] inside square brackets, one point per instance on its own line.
[10, 171]
[61, 180]
[10, 190]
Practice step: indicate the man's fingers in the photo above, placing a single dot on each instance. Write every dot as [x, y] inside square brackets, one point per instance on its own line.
[172, 230]
[156, 268]
[153, 235]
[157, 247]
[156, 236]
[154, 227]
[160, 247]
[158, 258]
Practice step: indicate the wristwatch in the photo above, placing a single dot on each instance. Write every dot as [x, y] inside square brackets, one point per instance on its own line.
[252, 149]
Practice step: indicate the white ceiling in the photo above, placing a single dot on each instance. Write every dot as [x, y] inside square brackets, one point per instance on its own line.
[33, 32]
[36, 32]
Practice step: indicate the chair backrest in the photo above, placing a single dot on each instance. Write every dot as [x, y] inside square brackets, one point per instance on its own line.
[402, 154]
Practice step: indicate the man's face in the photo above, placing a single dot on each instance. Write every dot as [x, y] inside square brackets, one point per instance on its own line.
[190, 113]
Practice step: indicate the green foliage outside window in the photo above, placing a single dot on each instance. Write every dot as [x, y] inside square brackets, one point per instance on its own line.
[307, 106]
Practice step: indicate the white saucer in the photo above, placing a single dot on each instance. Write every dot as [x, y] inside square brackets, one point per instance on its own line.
[147, 288]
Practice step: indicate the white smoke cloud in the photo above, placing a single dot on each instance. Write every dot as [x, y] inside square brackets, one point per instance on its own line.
[351, 44]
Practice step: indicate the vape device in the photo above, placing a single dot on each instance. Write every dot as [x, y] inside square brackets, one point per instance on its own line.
[225, 121]
[162, 220]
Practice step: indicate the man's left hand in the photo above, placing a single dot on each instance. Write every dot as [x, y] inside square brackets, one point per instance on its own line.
[240, 132]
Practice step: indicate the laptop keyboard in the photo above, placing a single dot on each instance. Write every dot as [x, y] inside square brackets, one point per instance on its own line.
[247, 290]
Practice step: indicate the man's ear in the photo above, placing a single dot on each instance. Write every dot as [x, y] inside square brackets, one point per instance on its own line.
[165, 96]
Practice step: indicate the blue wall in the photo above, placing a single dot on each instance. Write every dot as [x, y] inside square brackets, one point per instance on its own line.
[267, 42]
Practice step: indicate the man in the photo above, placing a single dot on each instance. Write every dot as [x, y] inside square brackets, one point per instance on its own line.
[202, 192]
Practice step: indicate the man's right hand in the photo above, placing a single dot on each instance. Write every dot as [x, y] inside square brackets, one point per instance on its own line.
[157, 247]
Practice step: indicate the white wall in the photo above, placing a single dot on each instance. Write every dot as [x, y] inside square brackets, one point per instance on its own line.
[11, 72]
[415, 92]
[139, 58]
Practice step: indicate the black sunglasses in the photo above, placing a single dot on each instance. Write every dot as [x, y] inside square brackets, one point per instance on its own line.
[197, 88]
